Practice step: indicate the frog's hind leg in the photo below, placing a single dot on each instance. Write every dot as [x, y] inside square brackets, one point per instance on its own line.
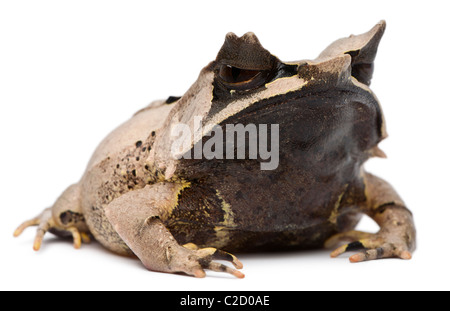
[63, 219]
[138, 217]
[397, 235]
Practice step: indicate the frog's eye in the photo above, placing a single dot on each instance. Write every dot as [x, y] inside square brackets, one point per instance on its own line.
[242, 79]
[233, 75]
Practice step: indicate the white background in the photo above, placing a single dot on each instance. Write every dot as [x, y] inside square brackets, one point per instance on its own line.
[71, 71]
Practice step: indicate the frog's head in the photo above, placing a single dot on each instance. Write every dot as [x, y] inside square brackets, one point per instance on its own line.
[244, 73]
[247, 84]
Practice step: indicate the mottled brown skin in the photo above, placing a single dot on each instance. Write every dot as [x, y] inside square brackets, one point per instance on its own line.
[175, 214]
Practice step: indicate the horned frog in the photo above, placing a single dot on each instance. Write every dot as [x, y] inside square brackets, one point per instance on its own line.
[181, 214]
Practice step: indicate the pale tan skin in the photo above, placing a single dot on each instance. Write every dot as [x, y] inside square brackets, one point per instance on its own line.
[129, 220]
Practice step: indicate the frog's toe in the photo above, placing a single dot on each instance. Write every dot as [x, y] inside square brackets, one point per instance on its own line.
[216, 254]
[193, 261]
[45, 223]
[214, 266]
[374, 246]
[379, 253]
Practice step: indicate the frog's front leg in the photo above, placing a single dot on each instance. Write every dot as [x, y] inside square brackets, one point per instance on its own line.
[136, 217]
[397, 235]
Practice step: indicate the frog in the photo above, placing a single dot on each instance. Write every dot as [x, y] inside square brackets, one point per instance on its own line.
[182, 214]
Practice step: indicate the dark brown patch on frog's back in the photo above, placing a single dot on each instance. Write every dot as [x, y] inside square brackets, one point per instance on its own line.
[198, 204]
[198, 212]
[324, 139]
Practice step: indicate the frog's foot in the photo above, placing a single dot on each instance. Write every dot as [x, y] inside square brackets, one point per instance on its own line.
[373, 246]
[45, 223]
[192, 260]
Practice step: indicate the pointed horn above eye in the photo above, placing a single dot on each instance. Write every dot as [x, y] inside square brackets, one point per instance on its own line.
[245, 52]
[363, 50]
[364, 45]
[251, 38]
